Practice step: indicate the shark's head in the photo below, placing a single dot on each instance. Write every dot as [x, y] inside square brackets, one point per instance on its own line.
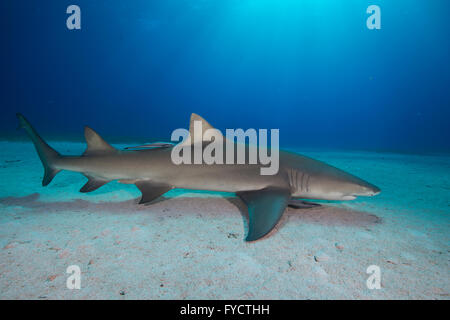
[346, 189]
[332, 184]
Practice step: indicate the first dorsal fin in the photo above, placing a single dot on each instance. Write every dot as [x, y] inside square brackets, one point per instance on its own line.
[196, 117]
[198, 122]
[95, 143]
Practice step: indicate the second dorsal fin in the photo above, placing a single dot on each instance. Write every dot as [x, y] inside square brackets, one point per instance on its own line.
[95, 143]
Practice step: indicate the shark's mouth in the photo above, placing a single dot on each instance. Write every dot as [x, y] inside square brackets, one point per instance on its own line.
[367, 194]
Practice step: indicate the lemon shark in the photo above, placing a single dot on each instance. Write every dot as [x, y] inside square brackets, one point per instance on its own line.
[153, 172]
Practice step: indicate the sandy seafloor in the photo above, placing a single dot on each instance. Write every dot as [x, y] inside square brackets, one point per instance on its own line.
[190, 244]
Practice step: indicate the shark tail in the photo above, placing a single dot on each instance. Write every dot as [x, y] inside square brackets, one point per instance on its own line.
[46, 153]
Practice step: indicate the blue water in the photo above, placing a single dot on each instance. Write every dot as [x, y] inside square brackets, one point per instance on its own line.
[310, 68]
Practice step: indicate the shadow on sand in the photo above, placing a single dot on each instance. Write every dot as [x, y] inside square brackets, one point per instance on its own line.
[205, 207]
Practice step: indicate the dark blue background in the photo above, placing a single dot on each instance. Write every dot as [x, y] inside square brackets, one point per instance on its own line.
[311, 68]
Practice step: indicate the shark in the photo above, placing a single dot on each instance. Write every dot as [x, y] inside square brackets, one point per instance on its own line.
[151, 169]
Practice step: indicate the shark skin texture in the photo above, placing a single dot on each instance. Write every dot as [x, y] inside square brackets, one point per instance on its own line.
[151, 169]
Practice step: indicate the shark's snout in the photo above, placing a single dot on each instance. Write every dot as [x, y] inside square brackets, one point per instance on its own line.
[368, 190]
[375, 191]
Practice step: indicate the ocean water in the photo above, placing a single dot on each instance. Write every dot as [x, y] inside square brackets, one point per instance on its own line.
[310, 68]
[373, 102]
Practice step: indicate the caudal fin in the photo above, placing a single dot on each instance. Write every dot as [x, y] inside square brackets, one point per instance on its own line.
[46, 153]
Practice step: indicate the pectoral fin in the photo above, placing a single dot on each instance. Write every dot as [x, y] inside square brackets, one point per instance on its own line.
[265, 208]
[151, 191]
[93, 184]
